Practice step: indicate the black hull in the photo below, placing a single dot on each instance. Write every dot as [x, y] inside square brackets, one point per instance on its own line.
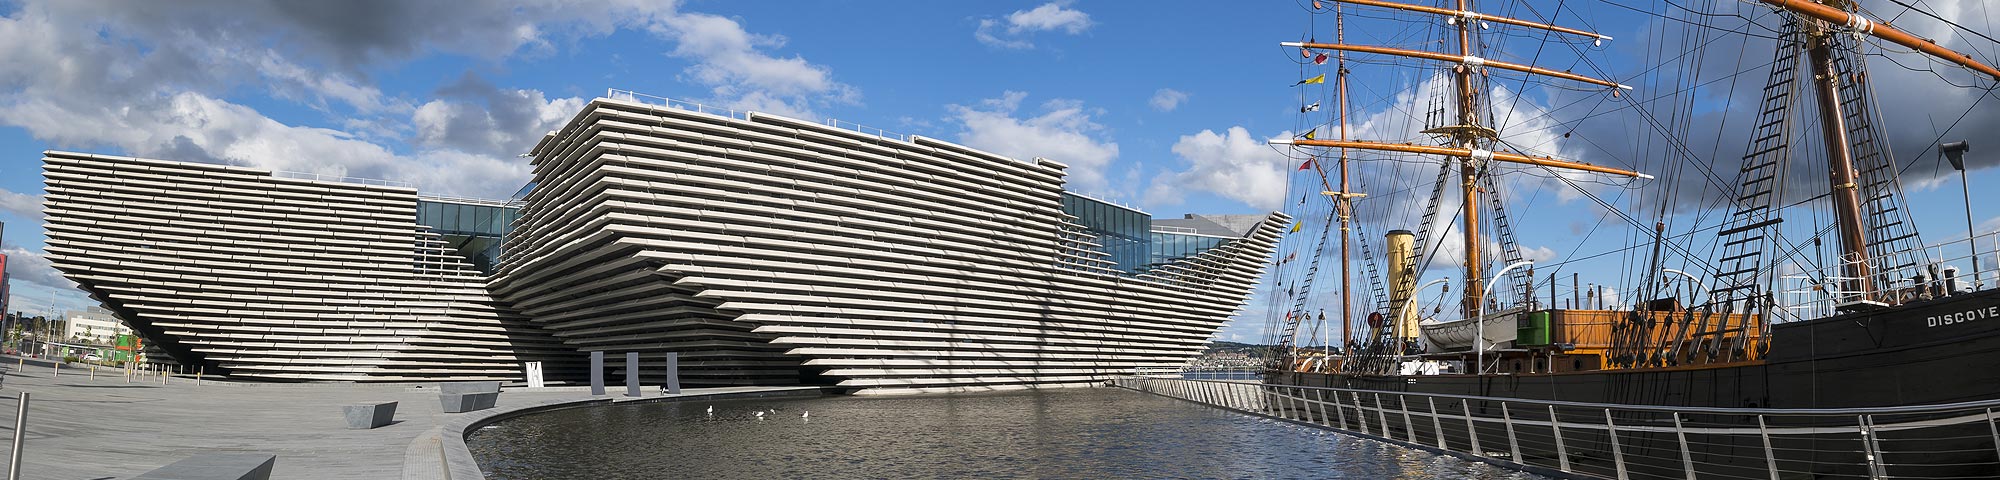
[1934, 352]
[1892, 357]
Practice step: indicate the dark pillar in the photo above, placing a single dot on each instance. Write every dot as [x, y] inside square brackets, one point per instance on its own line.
[631, 374]
[596, 373]
[673, 373]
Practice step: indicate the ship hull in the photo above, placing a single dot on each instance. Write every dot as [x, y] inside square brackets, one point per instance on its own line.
[1938, 351]
[1925, 353]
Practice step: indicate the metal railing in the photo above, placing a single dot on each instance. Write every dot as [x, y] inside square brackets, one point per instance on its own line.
[1816, 294]
[631, 96]
[867, 130]
[1594, 440]
[328, 177]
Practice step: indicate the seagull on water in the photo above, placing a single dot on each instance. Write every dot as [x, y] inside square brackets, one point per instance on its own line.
[760, 415]
[806, 414]
[711, 410]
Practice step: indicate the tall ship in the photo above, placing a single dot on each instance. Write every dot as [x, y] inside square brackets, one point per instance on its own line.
[1766, 254]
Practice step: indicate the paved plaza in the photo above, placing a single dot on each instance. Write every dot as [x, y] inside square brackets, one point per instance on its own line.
[80, 427]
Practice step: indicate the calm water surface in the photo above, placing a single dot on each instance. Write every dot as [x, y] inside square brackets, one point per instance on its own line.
[1065, 433]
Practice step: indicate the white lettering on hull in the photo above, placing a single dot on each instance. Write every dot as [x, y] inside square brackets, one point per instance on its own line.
[1962, 317]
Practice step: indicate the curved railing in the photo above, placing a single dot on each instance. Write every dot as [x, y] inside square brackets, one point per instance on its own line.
[1960, 440]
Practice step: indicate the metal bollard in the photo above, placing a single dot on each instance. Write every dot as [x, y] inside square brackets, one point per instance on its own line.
[197, 375]
[93, 372]
[58, 370]
[20, 434]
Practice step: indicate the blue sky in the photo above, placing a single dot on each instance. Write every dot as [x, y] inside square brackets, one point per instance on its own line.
[1161, 105]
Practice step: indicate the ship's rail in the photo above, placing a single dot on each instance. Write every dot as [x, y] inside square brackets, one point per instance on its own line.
[1596, 440]
[1819, 293]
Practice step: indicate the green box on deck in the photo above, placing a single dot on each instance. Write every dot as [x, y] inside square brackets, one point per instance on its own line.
[1533, 330]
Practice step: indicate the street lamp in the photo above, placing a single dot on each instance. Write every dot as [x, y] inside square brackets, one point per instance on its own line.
[1955, 152]
[1694, 284]
[1479, 331]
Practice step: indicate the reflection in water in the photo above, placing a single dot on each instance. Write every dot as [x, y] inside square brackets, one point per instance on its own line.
[1066, 433]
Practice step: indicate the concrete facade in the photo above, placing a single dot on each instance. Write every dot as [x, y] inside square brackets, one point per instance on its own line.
[241, 272]
[767, 249]
[762, 249]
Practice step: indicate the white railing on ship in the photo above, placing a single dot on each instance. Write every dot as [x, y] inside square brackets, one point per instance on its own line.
[1575, 439]
[1818, 293]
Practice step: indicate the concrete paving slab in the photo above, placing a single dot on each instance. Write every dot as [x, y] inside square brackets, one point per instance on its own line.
[105, 428]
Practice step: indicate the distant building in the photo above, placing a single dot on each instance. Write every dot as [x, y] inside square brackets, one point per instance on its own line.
[96, 325]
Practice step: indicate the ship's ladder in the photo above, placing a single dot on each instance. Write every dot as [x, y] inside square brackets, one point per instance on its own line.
[1745, 235]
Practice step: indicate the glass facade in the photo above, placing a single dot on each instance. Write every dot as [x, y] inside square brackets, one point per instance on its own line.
[1167, 246]
[474, 229]
[1123, 231]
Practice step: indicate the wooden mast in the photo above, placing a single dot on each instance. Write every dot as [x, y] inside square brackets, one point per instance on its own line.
[1884, 31]
[1342, 201]
[1840, 162]
[1824, 19]
[1467, 136]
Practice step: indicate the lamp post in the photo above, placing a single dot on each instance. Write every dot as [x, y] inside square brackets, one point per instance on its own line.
[1407, 302]
[1694, 284]
[1955, 152]
[1479, 331]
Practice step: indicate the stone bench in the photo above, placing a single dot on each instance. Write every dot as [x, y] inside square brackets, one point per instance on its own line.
[466, 402]
[459, 397]
[216, 466]
[363, 416]
[468, 387]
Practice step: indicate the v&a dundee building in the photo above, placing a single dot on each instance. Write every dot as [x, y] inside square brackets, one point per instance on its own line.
[762, 249]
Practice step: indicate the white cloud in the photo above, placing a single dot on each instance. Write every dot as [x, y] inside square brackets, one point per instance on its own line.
[21, 204]
[31, 267]
[1233, 164]
[1063, 132]
[1167, 99]
[985, 34]
[1013, 30]
[1050, 16]
[727, 59]
[480, 118]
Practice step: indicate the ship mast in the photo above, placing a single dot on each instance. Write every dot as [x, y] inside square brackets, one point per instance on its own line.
[1469, 139]
[1823, 20]
[1342, 201]
[1467, 134]
[1840, 161]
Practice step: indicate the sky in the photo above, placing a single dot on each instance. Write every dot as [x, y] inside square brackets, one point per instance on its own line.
[1165, 106]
